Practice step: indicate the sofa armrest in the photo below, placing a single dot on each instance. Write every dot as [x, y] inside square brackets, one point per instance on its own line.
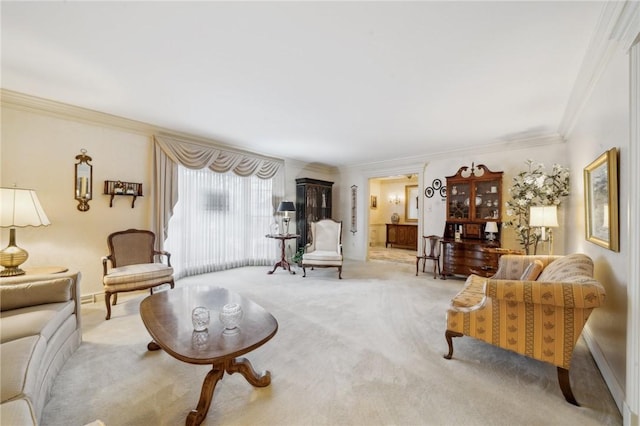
[582, 292]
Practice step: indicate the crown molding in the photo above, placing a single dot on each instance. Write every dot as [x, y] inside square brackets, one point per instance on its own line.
[23, 102]
[617, 28]
[415, 162]
[29, 103]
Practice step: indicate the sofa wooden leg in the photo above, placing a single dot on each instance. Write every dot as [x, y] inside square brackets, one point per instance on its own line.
[340, 272]
[565, 386]
[449, 335]
[107, 300]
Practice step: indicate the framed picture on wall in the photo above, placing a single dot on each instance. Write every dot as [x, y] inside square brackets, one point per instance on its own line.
[601, 200]
[374, 201]
[411, 203]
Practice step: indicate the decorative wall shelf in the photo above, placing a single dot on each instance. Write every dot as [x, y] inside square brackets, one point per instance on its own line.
[118, 188]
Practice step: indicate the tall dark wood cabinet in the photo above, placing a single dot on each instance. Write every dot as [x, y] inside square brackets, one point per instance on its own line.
[474, 197]
[313, 202]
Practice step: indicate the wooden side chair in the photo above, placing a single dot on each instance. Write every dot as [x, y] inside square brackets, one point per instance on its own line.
[430, 251]
[133, 265]
[325, 248]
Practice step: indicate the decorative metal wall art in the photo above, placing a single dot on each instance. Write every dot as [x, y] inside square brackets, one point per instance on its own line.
[354, 209]
[83, 180]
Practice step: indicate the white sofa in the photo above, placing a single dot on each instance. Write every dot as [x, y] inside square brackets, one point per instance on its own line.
[39, 331]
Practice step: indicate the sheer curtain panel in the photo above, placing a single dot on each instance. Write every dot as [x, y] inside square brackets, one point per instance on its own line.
[213, 205]
[220, 222]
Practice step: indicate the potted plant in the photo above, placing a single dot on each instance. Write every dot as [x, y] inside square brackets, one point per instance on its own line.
[534, 187]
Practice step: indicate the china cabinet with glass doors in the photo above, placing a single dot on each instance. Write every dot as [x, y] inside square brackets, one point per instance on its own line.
[474, 197]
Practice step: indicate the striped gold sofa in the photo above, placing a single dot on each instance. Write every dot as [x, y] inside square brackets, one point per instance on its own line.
[541, 317]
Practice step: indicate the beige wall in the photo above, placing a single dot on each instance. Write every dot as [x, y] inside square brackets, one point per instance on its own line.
[38, 152]
[604, 124]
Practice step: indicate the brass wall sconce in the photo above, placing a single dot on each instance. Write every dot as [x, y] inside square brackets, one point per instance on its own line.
[83, 180]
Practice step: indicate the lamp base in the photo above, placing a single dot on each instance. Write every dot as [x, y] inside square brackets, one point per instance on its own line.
[13, 271]
[12, 257]
[285, 224]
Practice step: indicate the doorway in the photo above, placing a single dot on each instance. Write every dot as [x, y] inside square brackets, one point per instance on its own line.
[391, 202]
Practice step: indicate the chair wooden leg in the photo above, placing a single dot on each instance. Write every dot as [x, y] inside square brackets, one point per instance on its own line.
[304, 271]
[339, 272]
[417, 265]
[107, 297]
[565, 386]
[115, 298]
[449, 335]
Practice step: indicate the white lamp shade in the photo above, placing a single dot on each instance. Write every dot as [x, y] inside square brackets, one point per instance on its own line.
[20, 208]
[491, 227]
[544, 216]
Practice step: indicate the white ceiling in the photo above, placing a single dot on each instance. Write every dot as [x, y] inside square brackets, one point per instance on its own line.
[337, 83]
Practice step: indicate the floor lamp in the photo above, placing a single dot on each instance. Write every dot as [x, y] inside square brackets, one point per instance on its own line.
[544, 217]
[18, 208]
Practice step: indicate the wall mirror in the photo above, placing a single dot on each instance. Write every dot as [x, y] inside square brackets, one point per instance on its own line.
[411, 203]
[83, 180]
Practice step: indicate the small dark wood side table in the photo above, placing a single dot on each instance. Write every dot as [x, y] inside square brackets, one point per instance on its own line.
[283, 258]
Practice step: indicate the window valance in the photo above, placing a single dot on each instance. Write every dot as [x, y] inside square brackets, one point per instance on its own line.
[171, 151]
[220, 160]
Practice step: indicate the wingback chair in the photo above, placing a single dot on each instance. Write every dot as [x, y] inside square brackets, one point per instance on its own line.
[133, 265]
[325, 248]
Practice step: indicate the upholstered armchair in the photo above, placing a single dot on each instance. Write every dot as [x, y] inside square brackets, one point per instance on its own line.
[536, 306]
[325, 248]
[133, 265]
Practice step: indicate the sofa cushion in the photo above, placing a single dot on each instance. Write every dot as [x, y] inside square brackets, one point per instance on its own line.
[19, 361]
[17, 412]
[34, 320]
[532, 271]
[568, 269]
[14, 296]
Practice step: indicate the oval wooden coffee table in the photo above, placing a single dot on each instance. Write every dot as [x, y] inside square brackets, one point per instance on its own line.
[167, 317]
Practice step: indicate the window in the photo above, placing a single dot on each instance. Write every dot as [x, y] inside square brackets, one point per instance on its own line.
[220, 222]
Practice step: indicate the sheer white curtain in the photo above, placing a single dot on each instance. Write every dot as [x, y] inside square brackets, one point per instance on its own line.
[220, 222]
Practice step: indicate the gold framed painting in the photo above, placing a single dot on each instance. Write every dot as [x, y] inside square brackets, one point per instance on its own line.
[411, 203]
[601, 200]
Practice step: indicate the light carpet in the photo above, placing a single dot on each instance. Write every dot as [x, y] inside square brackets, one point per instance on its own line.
[364, 350]
[392, 254]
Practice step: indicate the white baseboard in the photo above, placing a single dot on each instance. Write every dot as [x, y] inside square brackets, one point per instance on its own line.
[91, 298]
[617, 391]
[629, 418]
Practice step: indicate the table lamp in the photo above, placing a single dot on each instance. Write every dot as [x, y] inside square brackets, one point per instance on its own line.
[18, 208]
[491, 228]
[544, 217]
[286, 207]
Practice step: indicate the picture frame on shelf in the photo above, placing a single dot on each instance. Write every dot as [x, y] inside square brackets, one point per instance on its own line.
[601, 201]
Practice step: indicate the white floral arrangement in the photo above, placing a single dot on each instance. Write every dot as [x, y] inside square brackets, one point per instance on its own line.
[534, 187]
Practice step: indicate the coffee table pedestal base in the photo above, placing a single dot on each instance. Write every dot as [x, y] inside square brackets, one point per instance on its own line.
[238, 365]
